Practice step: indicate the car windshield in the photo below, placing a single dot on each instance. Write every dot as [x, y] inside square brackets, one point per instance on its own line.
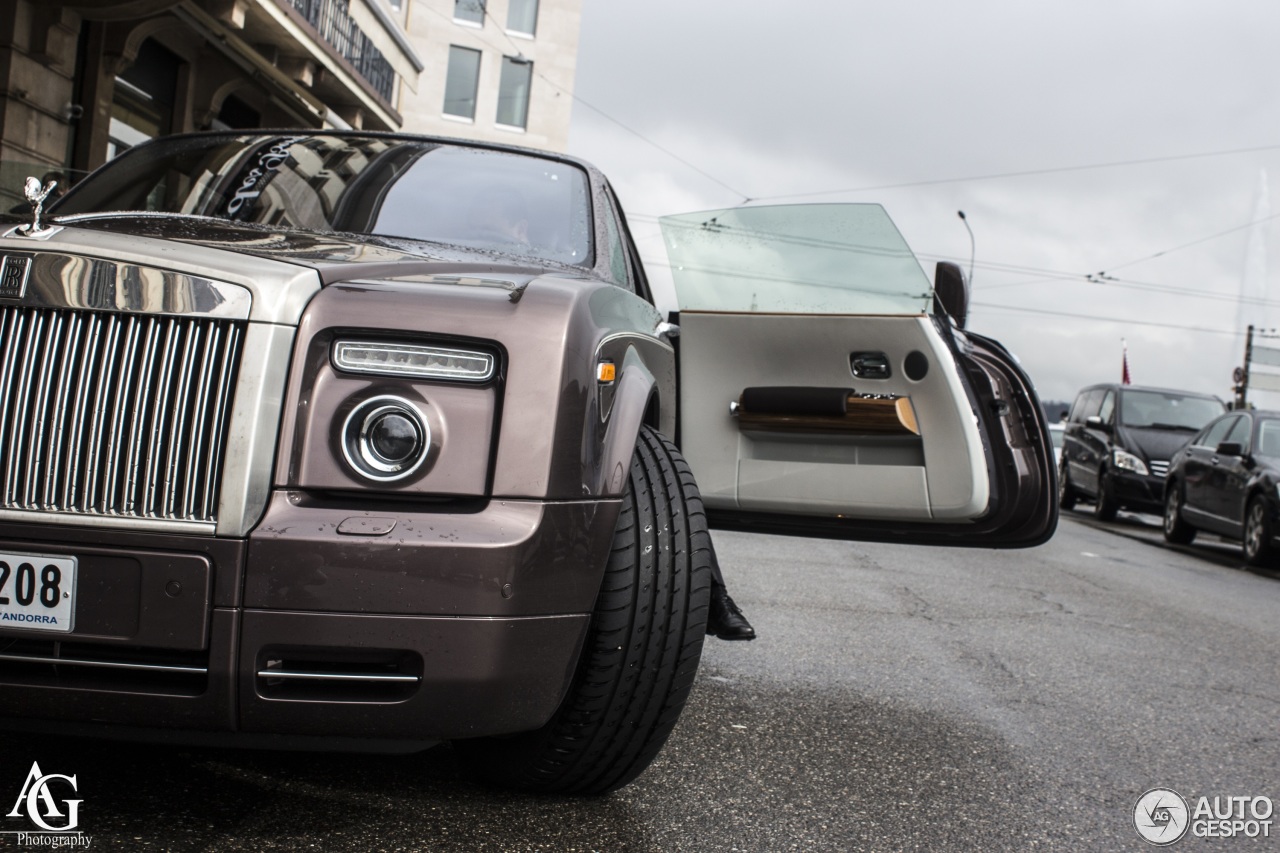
[1167, 410]
[392, 187]
[795, 259]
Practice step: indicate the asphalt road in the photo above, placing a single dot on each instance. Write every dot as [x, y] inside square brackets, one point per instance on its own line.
[897, 699]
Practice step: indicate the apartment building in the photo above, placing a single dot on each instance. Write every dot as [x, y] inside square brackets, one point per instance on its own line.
[497, 70]
[82, 80]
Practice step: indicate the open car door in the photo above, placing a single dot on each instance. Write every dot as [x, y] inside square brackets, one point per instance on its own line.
[825, 392]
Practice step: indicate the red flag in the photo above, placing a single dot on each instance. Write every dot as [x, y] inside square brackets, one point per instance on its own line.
[1124, 362]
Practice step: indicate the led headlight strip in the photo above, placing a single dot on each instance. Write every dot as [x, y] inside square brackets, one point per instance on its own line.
[413, 360]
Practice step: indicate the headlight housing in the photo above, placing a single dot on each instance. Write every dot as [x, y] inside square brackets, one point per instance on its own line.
[417, 361]
[386, 438]
[1126, 461]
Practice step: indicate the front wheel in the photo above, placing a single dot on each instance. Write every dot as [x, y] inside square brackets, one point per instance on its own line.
[642, 647]
[1258, 550]
[1066, 492]
[1105, 505]
[1176, 530]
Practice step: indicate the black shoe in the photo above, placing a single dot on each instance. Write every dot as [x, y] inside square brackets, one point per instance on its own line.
[725, 620]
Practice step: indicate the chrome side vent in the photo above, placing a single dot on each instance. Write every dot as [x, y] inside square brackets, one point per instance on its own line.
[114, 414]
[338, 675]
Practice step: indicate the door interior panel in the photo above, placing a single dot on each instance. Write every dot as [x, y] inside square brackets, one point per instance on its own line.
[906, 446]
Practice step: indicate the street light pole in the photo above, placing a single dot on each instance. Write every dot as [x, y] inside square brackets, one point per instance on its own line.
[973, 246]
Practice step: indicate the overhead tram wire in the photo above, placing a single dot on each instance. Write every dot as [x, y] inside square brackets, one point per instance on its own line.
[1189, 244]
[1025, 173]
[1128, 321]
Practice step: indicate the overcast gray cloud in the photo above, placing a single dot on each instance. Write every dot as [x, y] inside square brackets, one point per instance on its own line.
[776, 100]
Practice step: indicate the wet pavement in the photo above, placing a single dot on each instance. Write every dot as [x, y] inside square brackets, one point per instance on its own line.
[897, 699]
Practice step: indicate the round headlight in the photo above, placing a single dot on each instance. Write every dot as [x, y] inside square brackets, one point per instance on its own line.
[385, 438]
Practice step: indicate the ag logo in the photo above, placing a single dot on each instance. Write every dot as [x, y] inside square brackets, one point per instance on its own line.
[1161, 816]
[36, 794]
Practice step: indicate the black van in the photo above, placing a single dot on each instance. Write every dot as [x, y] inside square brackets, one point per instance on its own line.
[1118, 442]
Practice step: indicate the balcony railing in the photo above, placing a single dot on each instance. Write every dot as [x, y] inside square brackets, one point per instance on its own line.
[336, 26]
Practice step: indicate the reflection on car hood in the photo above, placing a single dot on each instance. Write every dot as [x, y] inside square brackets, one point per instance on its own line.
[1154, 443]
[337, 257]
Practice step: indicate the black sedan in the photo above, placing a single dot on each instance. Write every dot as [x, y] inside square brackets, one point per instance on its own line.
[1225, 481]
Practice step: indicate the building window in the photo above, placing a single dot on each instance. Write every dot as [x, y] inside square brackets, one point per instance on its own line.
[513, 92]
[469, 11]
[461, 84]
[522, 16]
[143, 98]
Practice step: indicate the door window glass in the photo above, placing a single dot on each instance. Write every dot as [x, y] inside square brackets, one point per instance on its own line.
[1092, 403]
[1217, 433]
[1108, 407]
[1240, 433]
[795, 259]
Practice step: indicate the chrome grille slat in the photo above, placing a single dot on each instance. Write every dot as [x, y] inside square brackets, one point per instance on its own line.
[47, 357]
[1160, 467]
[198, 418]
[159, 413]
[140, 377]
[220, 412]
[14, 323]
[121, 415]
[90, 477]
[30, 358]
[83, 383]
[178, 424]
[49, 499]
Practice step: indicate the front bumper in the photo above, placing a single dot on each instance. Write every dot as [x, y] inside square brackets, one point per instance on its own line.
[1140, 492]
[328, 621]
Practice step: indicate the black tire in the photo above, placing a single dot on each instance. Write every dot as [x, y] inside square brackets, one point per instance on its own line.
[1105, 506]
[1176, 529]
[1258, 550]
[642, 648]
[1067, 495]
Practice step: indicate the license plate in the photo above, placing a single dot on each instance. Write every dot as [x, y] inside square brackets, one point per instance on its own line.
[37, 592]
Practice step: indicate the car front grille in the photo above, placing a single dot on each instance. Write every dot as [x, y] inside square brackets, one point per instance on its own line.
[114, 414]
[1159, 467]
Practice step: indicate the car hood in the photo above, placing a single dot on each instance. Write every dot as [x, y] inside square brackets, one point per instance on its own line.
[281, 271]
[1159, 444]
[336, 257]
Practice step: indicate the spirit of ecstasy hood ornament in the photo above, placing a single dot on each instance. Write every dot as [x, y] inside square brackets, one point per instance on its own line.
[36, 194]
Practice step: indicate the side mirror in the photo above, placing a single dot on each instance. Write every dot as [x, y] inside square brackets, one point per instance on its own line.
[952, 290]
[1229, 448]
[1097, 423]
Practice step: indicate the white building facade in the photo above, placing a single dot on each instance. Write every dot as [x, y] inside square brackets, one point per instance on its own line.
[496, 70]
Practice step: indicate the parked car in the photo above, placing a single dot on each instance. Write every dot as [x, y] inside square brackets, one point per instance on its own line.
[343, 438]
[1118, 442]
[1225, 481]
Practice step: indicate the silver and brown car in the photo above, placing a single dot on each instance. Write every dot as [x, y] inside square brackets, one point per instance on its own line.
[359, 441]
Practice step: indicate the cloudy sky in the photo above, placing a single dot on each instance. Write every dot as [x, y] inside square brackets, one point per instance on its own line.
[1128, 139]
